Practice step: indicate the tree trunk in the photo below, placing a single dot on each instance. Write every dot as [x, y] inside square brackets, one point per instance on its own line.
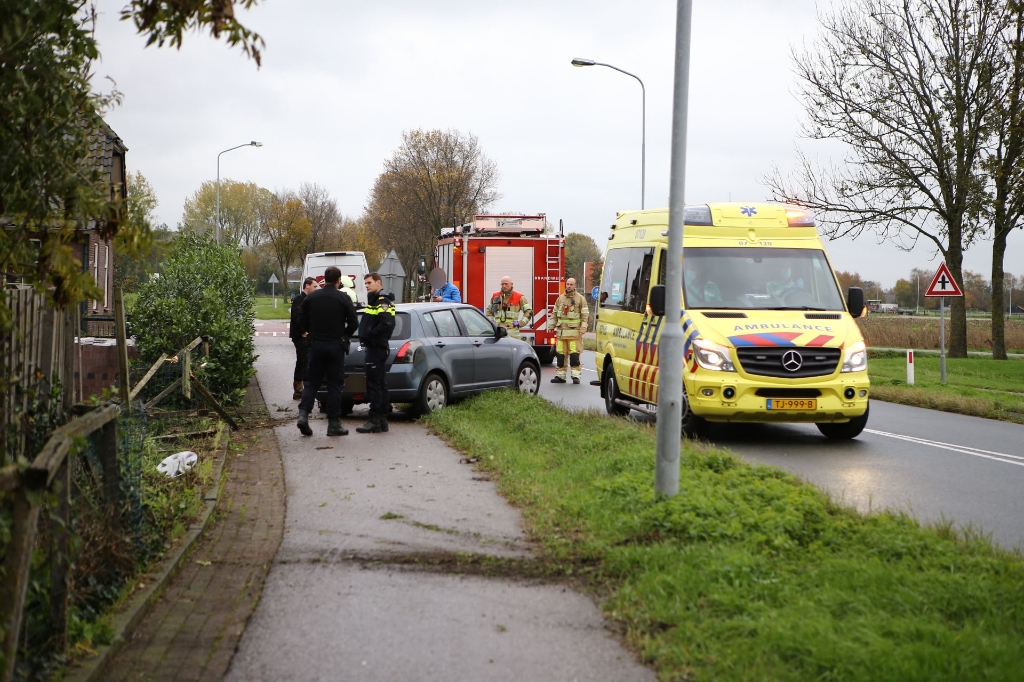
[998, 321]
[958, 309]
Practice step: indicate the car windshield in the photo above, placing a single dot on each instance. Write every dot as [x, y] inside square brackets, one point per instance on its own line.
[759, 279]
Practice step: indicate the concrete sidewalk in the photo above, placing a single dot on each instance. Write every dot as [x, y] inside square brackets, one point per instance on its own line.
[367, 582]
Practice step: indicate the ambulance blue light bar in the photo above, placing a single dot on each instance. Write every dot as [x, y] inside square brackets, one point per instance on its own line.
[697, 215]
[797, 216]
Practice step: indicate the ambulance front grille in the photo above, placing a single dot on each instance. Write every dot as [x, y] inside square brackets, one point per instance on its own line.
[767, 361]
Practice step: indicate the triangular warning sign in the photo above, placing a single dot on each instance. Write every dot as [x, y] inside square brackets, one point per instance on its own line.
[943, 283]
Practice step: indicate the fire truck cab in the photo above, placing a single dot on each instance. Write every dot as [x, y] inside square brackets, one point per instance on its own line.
[475, 256]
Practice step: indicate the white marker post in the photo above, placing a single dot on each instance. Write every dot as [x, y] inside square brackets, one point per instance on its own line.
[272, 281]
[943, 285]
[910, 368]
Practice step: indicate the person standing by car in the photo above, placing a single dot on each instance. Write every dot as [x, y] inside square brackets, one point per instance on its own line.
[300, 338]
[374, 333]
[509, 308]
[569, 319]
[329, 318]
[449, 293]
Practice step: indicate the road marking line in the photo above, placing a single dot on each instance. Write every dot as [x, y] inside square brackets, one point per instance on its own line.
[964, 449]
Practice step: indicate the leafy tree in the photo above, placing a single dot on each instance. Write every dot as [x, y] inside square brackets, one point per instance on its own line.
[977, 292]
[286, 229]
[201, 291]
[434, 179]
[580, 249]
[906, 294]
[908, 85]
[134, 263]
[239, 206]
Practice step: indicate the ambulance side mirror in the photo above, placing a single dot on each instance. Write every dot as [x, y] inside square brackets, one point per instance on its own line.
[855, 301]
[657, 299]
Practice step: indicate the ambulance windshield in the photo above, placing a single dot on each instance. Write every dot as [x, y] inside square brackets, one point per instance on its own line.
[761, 278]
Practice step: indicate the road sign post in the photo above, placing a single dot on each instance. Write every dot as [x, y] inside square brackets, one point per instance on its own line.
[272, 281]
[943, 285]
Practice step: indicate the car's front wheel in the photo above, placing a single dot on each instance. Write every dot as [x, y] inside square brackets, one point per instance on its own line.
[527, 379]
[433, 394]
[847, 430]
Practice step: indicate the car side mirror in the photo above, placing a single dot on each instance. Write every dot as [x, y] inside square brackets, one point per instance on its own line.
[657, 299]
[855, 301]
[500, 332]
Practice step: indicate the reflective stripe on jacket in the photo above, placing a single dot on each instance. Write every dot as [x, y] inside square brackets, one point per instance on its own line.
[569, 316]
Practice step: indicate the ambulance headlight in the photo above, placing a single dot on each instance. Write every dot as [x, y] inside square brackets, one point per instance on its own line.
[712, 356]
[856, 358]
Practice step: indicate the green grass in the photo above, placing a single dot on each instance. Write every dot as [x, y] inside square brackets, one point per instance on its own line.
[265, 309]
[747, 574]
[977, 386]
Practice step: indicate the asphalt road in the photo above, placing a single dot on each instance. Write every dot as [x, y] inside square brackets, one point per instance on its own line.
[931, 464]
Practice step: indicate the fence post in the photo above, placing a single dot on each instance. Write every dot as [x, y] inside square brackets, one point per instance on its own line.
[16, 570]
[122, 345]
[59, 559]
[107, 450]
[186, 370]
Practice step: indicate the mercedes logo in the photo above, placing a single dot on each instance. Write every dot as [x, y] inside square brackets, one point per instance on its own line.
[792, 360]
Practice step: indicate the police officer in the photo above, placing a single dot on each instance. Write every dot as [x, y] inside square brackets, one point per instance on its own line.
[509, 308]
[374, 332]
[300, 339]
[330, 319]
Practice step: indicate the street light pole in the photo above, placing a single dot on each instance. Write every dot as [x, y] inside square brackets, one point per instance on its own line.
[671, 396]
[216, 227]
[643, 119]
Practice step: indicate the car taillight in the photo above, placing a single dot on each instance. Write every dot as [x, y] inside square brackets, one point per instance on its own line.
[406, 352]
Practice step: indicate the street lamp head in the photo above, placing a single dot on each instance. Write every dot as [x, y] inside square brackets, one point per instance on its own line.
[254, 143]
[579, 61]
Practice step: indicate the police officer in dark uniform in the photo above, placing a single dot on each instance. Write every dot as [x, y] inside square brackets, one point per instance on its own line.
[300, 339]
[374, 333]
[330, 318]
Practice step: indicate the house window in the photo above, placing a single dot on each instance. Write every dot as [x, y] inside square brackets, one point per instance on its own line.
[106, 275]
[96, 271]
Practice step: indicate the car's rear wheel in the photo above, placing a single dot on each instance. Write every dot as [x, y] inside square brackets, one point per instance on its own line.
[527, 379]
[611, 394]
[433, 394]
[546, 354]
[847, 430]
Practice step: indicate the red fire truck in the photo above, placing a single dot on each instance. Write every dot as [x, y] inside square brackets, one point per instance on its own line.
[477, 255]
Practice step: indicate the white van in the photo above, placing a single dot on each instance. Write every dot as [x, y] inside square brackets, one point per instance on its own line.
[351, 263]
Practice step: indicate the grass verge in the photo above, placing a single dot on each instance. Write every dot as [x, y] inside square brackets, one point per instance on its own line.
[747, 574]
[265, 310]
[975, 386]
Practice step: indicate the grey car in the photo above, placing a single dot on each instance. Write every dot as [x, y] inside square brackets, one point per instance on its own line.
[441, 351]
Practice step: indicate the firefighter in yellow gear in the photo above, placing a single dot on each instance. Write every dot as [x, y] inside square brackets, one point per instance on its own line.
[509, 309]
[569, 321]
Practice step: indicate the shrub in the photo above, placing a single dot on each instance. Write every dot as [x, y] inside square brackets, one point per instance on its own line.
[203, 291]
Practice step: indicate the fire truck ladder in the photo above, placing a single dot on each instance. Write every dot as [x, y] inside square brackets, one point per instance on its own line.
[554, 273]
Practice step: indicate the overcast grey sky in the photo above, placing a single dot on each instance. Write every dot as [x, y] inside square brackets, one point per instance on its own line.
[341, 80]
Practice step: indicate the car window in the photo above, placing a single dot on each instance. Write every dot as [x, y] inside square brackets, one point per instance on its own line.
[445, 322]
[476, 324]
[402, 326]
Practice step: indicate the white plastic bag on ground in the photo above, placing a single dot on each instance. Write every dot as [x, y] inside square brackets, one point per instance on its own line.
[178, 463]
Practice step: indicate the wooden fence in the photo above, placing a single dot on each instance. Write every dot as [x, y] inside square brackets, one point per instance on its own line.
[39, 348]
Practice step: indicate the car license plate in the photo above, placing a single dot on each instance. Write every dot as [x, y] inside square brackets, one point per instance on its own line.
[792, 404]
[355, 383]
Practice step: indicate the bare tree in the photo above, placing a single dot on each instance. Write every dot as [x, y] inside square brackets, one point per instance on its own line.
[434, 179]
[322, 210]
[908, 86]
[1004, 162]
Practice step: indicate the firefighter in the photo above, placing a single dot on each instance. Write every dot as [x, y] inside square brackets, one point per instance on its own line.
[569, 320]
[374, 333]
[509, 309]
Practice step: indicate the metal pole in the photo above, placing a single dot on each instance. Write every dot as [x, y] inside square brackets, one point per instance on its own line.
[942, 339]
[670, 366]
[216, 227]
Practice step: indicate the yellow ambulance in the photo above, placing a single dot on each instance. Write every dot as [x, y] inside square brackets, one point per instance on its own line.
[768, 337]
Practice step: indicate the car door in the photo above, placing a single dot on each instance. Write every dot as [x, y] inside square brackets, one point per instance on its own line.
[493, 356]
[454, 350]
